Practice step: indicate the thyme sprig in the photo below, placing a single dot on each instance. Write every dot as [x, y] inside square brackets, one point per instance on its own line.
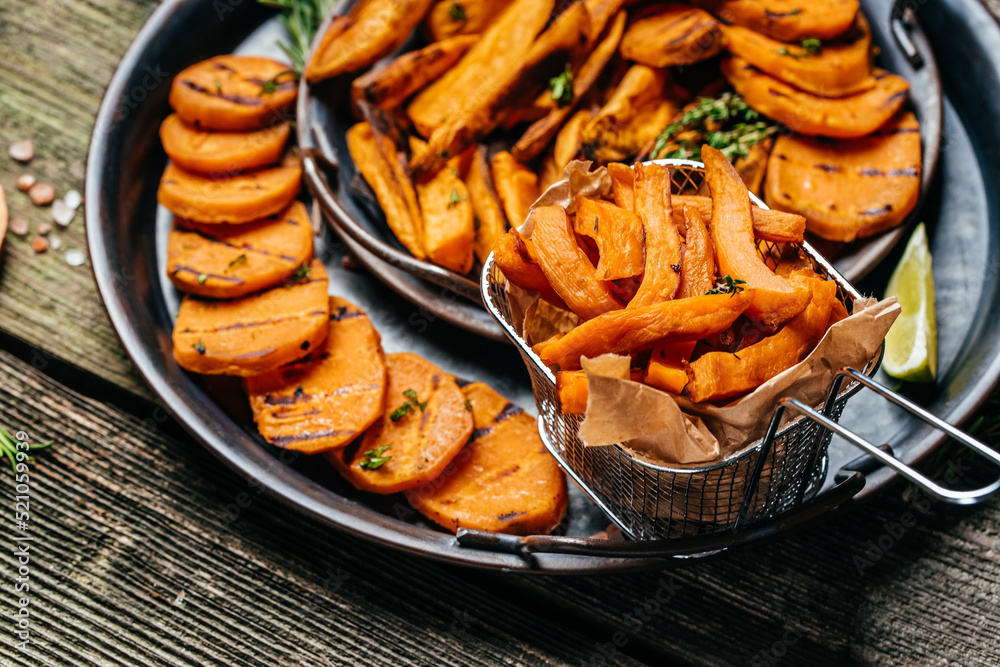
[562, 87]
[9, 449]
[301, 19]
[726, 123]
[728, 285]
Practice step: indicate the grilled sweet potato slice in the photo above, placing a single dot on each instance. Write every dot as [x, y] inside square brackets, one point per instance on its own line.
[635, 113]
[230, 261]
[540, 133]
[622, 185]
[373, 30]
[389, 86]
[330, 396]
[857, 187]
[662, 276]
[667, 368]
[844, 118]
[255, 334]
[514, 260]
[503, 481]
[636, 329]
[449, 229]
[698, 260]
[501, 47]
[416, 437]
[678, 34]
[490, 222]
[719, 375]
[211, 152]
[566, 265]
[775, 300]
[787, 20]
[234, 199]
[234, 93]
[471, 17]
[516, 185]
[837, 70]
[502, 90]
[618, 234]
[381, 165]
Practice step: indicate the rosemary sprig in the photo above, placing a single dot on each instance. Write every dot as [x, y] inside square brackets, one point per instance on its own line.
[9, 449]
[726, 123]
[301, 19]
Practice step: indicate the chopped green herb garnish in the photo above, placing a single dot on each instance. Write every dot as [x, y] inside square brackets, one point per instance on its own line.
[468, 405]
[562, 87]
[726, 123]
[302, 272]
[218, 86]
[373, 459]
[202, 278]
[199, 347]
[728, 285]
[457, 12]
[271, 85]
[812, 46]
[406, 408]
[455, 199]
[241, 259]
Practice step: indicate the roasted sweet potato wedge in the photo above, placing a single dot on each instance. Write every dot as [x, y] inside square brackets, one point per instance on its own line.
[490, 221]
[449, 228]
[381, 165]
[566, 266]
[698, 259]
[667, 369]
[787, 20]
[677, 34]
[373, 30]
[540, 133]
[502, 47]
[622, 185]
[752, 167]
[235, 199]
[230, 261]
[636, 329]
[618, 234]
[571, 387]
[719, 375]
[257, 333]
[569, 139]
[662, 276]
[514, 260]
[211, 152]
[635, 113]
[775, 300]
[502, 90]
[424, 426]
[390, 85]
[844, 118]
[848, 189]
[768, 224]
[516, 185]
[503, 481]
[328, 397]
[836, 70]
[448, 18]
[234, 93]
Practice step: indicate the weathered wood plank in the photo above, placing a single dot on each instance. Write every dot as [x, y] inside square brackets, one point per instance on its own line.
[135, 562]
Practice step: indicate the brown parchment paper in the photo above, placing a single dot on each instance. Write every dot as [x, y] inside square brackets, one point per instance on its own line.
[669, 429]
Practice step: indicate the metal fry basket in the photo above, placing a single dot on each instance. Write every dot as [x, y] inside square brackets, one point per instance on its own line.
[766, 478]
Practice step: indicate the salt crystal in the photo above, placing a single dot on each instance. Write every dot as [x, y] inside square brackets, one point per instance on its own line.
[55, 242]
[62, 212]
[22, 151]
[73, 199]
[75, 257]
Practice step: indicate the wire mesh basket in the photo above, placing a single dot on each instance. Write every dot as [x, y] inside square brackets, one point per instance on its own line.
[764, 479]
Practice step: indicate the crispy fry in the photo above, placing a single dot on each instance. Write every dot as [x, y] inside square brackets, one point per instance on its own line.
[678, 34]
[753, 166]
[549, 172]
[667, 369]
[541, 133]
[514, 260]
[856, 187]
[373, 30]
[502, 47]
[571, 387]
[636, 329]
[566, 265]
[471, 18]
[662, 275]
[376, 158]
[618, 234]
[389, 86]
[788, 20]
[331, 395]
[210, 152]
[698, 260]
[768, 224]
[719, 375]
[622, 185]
[568, 142]
[775, 300]
[490, 221]
[448, 219]
[845, 118]
[516, 185]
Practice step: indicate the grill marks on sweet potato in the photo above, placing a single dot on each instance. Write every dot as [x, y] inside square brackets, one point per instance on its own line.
[422, 441]
[856, 187]
[332, 394]
[788, 20]
[618, 234]
[844, 118]
[234, 93]
[372, 30]
[662, 275]
[235, 199]
[254, 334]
[229, 261]
[502, 481]
[678, 34]
[213, 152]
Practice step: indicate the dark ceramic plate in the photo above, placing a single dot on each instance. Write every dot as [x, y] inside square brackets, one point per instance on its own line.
[324, 119]
[125, 233]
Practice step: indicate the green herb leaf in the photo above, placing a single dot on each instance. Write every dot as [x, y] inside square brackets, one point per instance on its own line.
[199, 347]
[241, 259]
[728, 285]
[457, 12]
[271, 85]
[468, 405]
[202, 278]
[301, 273]
[410, 394]
[455, 198]
[373, 459]
[813, 46]
[301, 19]
[562, 87]
[401, 411]
[726, 123]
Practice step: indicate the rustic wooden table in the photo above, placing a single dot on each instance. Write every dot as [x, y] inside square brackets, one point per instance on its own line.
[135, 558]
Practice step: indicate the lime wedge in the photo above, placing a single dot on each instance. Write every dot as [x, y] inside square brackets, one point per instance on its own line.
[911, 344]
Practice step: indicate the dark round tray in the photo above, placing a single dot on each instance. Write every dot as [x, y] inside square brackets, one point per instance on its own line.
[126, 236]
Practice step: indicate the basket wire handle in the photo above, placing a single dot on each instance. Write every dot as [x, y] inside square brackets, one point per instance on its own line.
[969, 497]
